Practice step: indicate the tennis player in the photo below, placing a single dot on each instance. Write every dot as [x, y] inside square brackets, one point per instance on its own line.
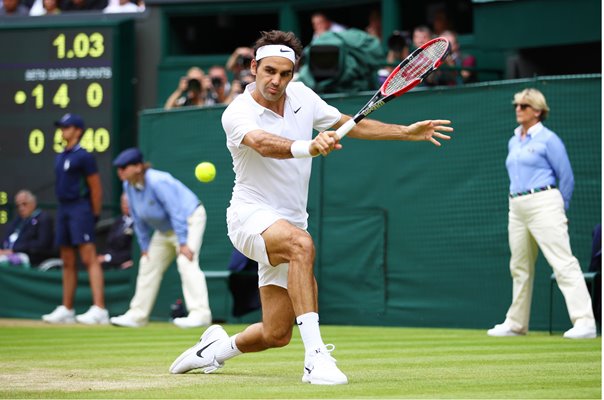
[269, 134]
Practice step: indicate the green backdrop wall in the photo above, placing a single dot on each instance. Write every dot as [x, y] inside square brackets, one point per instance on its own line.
[407, 233]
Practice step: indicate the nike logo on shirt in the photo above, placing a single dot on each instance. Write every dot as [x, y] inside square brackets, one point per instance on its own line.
[296, 111]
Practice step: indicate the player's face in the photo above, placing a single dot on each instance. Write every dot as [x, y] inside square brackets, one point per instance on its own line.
[273, 74]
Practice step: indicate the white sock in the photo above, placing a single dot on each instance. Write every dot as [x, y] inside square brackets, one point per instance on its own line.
[227, 349]
[309, 330]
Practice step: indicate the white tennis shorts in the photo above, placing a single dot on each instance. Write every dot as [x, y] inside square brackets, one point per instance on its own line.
[245, 223]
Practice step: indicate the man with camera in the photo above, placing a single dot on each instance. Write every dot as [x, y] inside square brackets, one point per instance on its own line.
[190, 90]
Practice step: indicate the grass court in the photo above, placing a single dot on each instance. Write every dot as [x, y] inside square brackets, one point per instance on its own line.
[43, 361]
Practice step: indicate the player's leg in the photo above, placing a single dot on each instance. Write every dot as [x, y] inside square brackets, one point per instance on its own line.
[549, 226]
[194, 287]
[286, 243]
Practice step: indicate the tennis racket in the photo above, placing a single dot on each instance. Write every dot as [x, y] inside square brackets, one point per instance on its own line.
[407, 75]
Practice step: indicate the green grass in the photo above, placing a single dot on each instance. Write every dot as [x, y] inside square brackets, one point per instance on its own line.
[42, 361]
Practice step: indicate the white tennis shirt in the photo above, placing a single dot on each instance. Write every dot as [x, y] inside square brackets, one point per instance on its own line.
[280, 185]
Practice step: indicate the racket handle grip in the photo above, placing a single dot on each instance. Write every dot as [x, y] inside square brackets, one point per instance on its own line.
[344, 129]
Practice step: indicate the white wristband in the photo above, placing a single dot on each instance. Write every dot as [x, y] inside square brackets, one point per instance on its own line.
[301, 148]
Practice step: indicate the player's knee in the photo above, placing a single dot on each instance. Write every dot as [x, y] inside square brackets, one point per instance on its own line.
[278, 338]
[303, 246]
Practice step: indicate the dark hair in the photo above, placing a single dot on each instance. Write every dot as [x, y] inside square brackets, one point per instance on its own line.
[279, 37]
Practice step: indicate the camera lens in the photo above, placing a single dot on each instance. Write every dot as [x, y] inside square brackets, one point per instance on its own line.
[397, 41]
[216, 81]
[194, 85]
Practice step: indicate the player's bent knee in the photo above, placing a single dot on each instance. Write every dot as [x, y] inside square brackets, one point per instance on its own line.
[278, 339]
[303, 246]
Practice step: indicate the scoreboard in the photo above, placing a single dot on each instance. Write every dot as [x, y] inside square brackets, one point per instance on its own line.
[86, 68]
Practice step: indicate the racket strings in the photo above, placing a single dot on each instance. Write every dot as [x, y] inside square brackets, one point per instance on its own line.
[414, 69]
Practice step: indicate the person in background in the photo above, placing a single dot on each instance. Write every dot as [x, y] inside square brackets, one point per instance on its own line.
[219, 86]
[123, 6]
[541, 186]
[374, 28]
[190, 90]
[29, 238]
[82, 5]
[160, 203]
[44, 7]
[79, 193]
[421, 35]
[118, 253]
[239, 61]
[321, 24]
[13, 8]
[456, 60]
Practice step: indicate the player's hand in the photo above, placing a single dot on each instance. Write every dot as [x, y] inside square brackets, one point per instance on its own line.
[186, 251]
[430, 131]
[324, 143]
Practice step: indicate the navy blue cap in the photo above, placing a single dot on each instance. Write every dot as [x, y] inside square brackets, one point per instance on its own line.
[70, 120]
[128, 157]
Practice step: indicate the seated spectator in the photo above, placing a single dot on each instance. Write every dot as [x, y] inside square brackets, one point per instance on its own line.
[218, 85]
[456, 60]
[13, 8]
[123, 6]
[321, 24]
[421, 35]
[82, 5]
[29, 238]
[190, 90]
[51, 7]
[118, 253]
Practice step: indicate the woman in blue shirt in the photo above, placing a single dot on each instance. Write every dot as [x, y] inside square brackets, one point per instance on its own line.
[541, 186]
[169, 221]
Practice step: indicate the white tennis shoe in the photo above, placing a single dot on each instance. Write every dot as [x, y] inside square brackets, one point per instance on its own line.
[60, 315]
[501, 330]
[581, 332]
[203, 354]
[95, 315]
[320, 368]
[126, 321]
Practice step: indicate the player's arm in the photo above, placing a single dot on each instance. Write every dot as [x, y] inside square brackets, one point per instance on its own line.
[273, 146]
[96, 193]
[429, 130]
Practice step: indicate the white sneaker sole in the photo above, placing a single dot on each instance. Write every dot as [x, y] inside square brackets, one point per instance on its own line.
[307, 379]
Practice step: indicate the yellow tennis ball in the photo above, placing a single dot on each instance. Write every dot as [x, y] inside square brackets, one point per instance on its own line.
[205, 171]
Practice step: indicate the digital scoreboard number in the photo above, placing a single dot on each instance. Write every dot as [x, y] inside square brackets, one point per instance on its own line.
[46, 72]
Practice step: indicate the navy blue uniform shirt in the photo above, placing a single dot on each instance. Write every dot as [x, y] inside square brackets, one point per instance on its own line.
[72, 166]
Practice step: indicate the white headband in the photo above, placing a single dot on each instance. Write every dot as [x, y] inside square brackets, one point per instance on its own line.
[276, 50]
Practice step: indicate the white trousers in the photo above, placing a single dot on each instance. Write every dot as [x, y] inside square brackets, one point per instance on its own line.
[538, 221]
[163, 248]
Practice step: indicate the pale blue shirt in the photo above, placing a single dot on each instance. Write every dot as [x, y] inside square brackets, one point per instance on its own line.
[539, 160]
[163, 203]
